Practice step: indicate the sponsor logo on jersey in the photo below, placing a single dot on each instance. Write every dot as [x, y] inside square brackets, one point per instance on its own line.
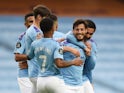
[18, 45]
[61, 51]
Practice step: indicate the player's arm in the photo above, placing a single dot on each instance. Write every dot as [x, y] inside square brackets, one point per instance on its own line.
[22, 64]
[19, 49]
[93, 57]
[71, 38]
[72, 50]
[60, 63]
[60, 40]
[24, 57]
[58, 56]
[88, 49]
[21, 57]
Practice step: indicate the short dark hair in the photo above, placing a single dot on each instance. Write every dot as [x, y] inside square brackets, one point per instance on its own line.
[78, 22]
[53, 17]
[90, 24]
[46, 25]
[28, 15]
[41, 10]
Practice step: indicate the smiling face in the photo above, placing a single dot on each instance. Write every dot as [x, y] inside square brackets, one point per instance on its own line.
[79, 31]
[91, 27]
[90, 32]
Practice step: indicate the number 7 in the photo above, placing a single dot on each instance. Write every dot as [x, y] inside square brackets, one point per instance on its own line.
[43, 57]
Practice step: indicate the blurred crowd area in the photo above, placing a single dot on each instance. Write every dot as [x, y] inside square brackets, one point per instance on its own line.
[94, 8]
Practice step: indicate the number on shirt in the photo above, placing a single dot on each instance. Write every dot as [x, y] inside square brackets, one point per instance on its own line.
[43, 57]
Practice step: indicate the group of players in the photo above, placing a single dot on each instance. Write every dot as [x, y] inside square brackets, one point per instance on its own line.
[54, 62]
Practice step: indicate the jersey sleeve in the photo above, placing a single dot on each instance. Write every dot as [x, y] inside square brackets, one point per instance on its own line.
[71, 38]
[91, 60]
[20, 47]
[58, 52]
[94, 48]
[34, 34]
[93, 57]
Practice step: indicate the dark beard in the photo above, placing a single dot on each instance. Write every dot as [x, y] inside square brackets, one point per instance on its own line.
[79, 40]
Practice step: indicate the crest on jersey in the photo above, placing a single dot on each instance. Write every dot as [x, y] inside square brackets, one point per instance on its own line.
[61, 51]
[18, 45]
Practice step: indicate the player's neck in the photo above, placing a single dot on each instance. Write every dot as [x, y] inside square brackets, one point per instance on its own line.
[37, 24]
[48, 35]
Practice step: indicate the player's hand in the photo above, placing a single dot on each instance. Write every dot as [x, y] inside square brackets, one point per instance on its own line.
[23, 65]
[39, 36]
[88, 49]
[77, 61]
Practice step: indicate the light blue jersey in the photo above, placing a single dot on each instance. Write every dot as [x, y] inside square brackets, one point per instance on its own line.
[58, 35]
[20, 48]
[90, 62]
[72, 75]
[46, 50]
[71, 38]
[69, 33]
[31, 34]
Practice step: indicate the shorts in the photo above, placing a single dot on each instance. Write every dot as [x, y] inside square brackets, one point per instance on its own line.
[50, 83]
[25, 85]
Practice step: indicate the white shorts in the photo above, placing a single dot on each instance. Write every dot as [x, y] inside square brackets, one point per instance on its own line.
[34, 84]
[74, 89]
[50, 83]
[25, 85]
[88, 88]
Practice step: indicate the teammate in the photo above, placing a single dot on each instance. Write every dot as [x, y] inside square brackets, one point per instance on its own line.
[73, 75]
[48, 57]
[60, 37]
[23, 79]
[40, 12]
[90, 60]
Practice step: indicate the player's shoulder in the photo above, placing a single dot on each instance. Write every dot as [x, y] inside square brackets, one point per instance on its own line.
[35, 42]
[32, 28]
[93, 41]
[21, 36]
[57, 32]
[36, 29]
[29, 29]
[69, 32]
[54, 41]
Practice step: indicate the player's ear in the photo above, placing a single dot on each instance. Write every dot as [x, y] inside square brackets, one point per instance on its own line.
[39, 17]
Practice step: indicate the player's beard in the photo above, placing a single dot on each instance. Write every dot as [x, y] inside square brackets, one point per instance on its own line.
[79, 37]
[88, 38]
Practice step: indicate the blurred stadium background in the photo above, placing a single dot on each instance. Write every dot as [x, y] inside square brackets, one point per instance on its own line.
[109, 18]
